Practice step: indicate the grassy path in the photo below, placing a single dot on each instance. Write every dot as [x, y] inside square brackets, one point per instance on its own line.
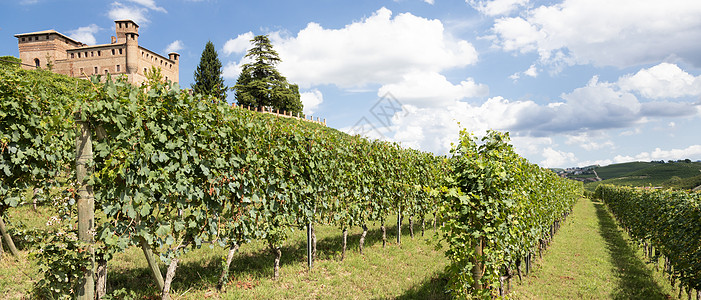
[591, 258]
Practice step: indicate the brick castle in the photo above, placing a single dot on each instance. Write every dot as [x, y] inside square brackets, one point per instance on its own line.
[73, 58]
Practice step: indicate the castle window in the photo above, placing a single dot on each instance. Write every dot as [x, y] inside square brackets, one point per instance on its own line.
[92, 53]
[37, 63]
[23, 39]
[118, 68]
[81, 71]
[120, 51]
[78, 54]
[166, 78]
[144, 70]
[95, 70]
[120, 25]
[106, 72]
[112, 51]
[72, 55]
[98, 52]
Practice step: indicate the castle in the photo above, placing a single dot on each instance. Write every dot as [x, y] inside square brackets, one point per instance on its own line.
[64, 55]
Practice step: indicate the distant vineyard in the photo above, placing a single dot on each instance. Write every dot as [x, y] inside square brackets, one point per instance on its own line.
[170, 171]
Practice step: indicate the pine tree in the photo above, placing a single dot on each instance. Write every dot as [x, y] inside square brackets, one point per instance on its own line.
[208, 76]
[261, 84]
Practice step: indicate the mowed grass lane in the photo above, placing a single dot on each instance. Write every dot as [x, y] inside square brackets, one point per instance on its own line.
[592, 258]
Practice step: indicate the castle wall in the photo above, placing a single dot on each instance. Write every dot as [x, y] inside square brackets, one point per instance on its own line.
[72, 58]
[100, 59]
[148, 58]
[44, 46]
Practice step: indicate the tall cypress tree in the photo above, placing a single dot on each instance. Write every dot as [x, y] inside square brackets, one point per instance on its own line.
[261, 84]
[208, 76]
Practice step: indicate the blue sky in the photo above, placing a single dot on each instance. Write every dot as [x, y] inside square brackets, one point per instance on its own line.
[575, 82]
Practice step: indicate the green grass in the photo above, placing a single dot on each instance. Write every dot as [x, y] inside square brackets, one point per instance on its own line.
[412, 270]
[592, 258]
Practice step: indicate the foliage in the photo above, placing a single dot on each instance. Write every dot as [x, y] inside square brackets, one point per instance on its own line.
[497, 209]
[173, 171]
[261, 84]
[666, 220]
[10, 62]
[208, 75]
[35, 130]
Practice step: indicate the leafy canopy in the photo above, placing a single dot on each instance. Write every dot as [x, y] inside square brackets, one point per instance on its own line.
[261, 84]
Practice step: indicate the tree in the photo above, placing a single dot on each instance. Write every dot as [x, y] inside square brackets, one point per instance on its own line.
[260, 83]
[208, 76]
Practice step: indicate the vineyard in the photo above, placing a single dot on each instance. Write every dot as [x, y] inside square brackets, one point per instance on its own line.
[666, 224]
[158, 169]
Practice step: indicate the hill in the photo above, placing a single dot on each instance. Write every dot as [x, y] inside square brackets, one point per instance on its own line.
[678, 175]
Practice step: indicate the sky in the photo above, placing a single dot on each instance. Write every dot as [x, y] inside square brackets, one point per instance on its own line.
[574, 82]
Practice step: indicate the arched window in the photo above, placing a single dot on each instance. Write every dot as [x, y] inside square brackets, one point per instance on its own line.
[37, 63]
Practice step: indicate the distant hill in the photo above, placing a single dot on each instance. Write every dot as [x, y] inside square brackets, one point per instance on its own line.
[678, 175]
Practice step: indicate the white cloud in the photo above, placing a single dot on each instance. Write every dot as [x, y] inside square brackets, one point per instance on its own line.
[150, 4]
[379, 49]
[175, 46]
[496, 7]
[85, 34]
[588, 141]
[240, 44]
[429, 1]
[432, 89]
[311, 101]
[120, 11]
[28, 2]
[531, 72]
[662, 81]
[555, 158]
[430, 121]
[232, 69]
[692, 152]
[605, 33]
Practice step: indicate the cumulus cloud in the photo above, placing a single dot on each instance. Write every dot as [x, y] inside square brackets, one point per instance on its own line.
[379, 49]
[589, 142]
[531, 72]
[120, 11]
[311, 101]
[605, 33]
[85, 34]
[238, 45]
[581, 116]
[175, 46]
[693, 151]
[137, 13]
[150, 4]
[432, 89]
[232, 69]
[662, 81]
[555, 158]
[497, 7]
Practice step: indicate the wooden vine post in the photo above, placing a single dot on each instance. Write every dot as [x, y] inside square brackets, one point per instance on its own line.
[310, 261]
[399, 225]
[86, 204]
[477, 266]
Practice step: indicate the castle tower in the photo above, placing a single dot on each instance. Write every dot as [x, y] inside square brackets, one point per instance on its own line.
[128, 33]
[123, 27]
